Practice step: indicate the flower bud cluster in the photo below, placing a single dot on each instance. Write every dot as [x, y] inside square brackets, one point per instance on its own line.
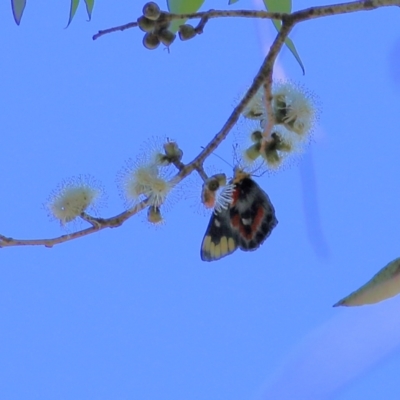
[155, 24]
[294, 115]
[149, 177]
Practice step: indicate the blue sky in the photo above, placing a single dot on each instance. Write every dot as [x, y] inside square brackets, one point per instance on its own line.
[133, 313]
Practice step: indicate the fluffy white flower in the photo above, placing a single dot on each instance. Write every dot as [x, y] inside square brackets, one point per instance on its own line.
[255, 109]
[149, 175]
[145, 181]
[294, 107]
[73, 197]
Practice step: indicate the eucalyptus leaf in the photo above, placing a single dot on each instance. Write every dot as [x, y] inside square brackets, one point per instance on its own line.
[18, 7]
[72, 10]
[280, 6]
[382, 286]
[89, 8]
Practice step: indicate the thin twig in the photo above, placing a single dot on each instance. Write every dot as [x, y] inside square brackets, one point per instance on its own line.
[270, 113]
[115, 29]
[95, 222]
[201, 172]
[200, 26]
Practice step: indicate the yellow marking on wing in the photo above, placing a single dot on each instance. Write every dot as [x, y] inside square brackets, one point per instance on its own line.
[206, 243]
[212, 249]
[217, 251]
[223, 245]
[231, 245]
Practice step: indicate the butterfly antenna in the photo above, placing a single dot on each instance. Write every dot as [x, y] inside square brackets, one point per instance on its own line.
[216, 155]
[235, 153]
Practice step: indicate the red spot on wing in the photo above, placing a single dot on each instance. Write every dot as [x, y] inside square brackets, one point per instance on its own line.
[249, 235]
[258, 219]
[235, 221]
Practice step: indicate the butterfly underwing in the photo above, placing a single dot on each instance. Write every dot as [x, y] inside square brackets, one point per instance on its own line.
[245, 223]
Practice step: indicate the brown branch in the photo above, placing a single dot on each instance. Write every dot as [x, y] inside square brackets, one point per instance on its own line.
[204, 17]
[228, 14]
[343, 8]
[98, 224]
[114, 29]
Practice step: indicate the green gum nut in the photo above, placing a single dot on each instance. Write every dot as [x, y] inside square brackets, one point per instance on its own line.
[163, 21]
[151, 11]
[145, 24]
[256, 136]
[284, 145]
[280, 109]
[151, 41]
[279, 143]
[166, 37]
[272, 157]
[186, 32]
[154, 215]
[253, 152]
[173, 152]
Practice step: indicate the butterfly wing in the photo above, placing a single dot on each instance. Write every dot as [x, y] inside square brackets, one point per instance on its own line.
[220, 238]
[252, 214]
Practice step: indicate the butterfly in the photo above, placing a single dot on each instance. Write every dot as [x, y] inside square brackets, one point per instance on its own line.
[245, 222]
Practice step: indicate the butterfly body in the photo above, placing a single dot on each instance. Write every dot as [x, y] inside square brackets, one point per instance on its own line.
[247, 221]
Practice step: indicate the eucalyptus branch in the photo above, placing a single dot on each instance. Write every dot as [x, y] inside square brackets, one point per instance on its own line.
[98, 224]
[263, 78]
[297, 16]
[206, 15]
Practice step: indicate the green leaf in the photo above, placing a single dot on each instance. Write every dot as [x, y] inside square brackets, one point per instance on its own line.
[89, 8]
[280, 6]
[232, 1]
[72, 10]
[18, 7]
[182, 7]
[382, 286]
[284, 6]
